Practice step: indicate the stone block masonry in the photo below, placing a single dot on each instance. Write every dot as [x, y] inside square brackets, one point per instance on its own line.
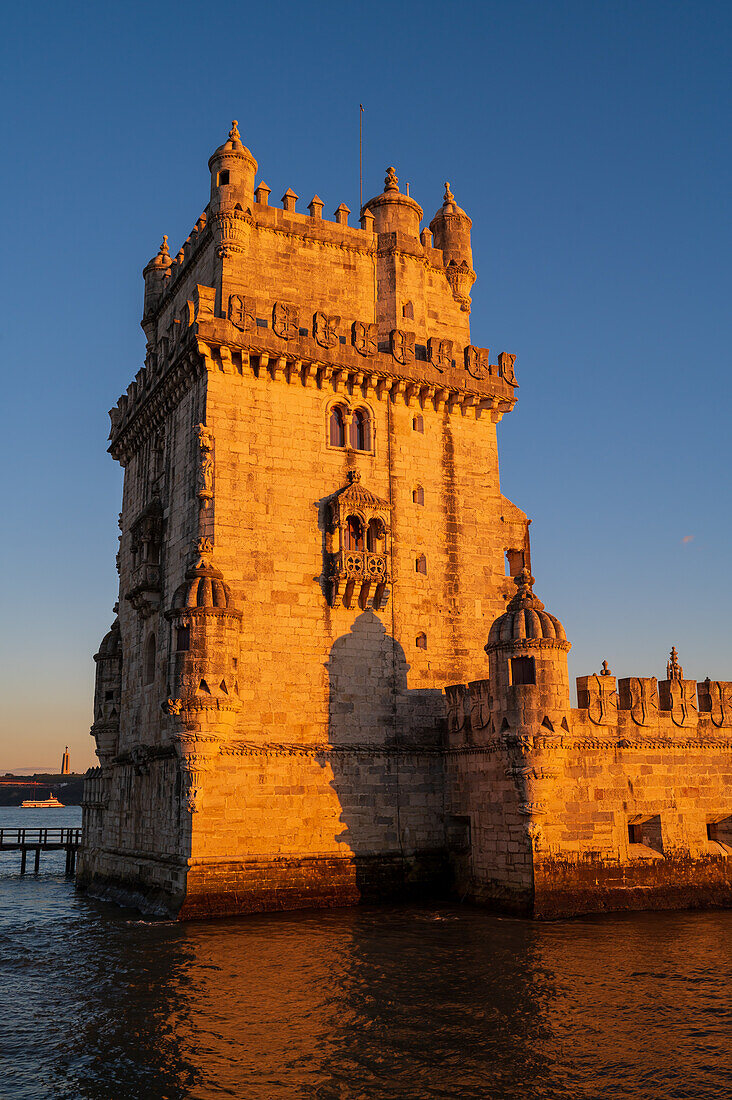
[313, 548]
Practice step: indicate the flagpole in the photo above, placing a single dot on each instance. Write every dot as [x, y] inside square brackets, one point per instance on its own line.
[360, 155]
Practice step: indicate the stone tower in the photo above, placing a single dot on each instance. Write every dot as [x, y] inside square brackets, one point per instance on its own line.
[313, 544]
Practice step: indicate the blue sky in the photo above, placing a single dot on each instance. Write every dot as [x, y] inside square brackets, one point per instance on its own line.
[590, 144]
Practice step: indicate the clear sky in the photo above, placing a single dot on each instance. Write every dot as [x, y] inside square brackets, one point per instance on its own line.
[590, 143]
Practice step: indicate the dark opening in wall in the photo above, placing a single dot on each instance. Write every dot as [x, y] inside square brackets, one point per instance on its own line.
[354, 533]
[149, 662]
[421, 641]
[420, 565]
[418, 424]
[359, 431]
[720, 831]
[523, 670]
[418, 495]
[224, 177]
[646, 830]
[458, 833]
[337, 427]
[183, 638]
[408, 311]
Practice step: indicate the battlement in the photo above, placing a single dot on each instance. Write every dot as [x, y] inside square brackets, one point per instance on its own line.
[670, 707]
[300, 294]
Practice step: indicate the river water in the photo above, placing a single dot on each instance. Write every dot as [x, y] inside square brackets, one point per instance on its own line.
[98, 1004]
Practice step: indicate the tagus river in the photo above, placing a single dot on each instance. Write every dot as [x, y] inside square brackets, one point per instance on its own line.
[363, 1003]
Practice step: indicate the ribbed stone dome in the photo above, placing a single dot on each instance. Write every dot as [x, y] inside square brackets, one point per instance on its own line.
[525, 618]
[111, 642]
[203, 587]
[449, 208]
[233, 146]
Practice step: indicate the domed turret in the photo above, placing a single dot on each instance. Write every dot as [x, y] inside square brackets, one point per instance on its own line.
[393, 211]
[451, 230]
[155, 275]
[107, 694]
[527, 648]
[524, 618]
[233, 169]
[203, 588]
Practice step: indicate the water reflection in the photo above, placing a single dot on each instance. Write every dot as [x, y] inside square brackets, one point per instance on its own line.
[358, 1003]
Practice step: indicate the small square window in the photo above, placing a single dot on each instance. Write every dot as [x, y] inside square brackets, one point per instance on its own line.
[523, 670]
[418, 424]
[224, 177]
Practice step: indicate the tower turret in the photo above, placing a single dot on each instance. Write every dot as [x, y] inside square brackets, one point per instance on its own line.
[155, 274]
[394, 212]
[451, 230]
[527, 649]
[233, 169]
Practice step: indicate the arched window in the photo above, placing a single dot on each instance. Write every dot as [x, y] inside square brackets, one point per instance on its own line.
[408, 310]
[150, 655]
[359, 431]
[421, 641]
[418, 494]
[354, 533]
[420, 564]
[337, 427]
[418, 423]
[375, 537]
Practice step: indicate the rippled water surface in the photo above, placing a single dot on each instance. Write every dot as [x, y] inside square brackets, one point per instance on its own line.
[368, 1003]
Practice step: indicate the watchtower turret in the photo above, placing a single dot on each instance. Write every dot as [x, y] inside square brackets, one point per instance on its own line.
[527, 649]
[394, 212]
[155, 275]
[233, 169]
[451, 230]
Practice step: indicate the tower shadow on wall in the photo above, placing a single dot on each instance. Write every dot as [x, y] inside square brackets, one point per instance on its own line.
[387, 770]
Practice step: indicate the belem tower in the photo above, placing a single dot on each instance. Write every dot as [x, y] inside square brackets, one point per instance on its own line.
[330, 679]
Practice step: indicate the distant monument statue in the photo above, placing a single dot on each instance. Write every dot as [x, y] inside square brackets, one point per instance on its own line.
[65, 769]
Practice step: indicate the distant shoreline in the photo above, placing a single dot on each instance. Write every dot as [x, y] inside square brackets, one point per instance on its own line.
[15, 789]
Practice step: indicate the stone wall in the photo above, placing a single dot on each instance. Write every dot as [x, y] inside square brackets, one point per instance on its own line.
[622, 809]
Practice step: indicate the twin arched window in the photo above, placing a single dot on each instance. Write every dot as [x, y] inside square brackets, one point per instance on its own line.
[352, 430]
[373, 535]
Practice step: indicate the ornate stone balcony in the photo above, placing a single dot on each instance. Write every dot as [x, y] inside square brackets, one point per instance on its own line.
[355, 574]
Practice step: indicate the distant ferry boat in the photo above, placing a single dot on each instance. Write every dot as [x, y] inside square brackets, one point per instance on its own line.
[41, 803]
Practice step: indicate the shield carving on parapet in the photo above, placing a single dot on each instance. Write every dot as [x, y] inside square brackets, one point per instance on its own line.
[480, 704]
[325, 329]
[242, 312]
[683, 702]
[602, 708]
[285, 320]
[643, 700]
[477, 362]
[363, 338]
[505, 364]
[720, 702]
[439, 353]
[455, 703]
[402, 346]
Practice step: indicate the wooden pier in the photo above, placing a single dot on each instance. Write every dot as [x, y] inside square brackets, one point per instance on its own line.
[41, 840]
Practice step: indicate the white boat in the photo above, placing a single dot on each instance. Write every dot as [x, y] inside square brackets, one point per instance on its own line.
[41, 803]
